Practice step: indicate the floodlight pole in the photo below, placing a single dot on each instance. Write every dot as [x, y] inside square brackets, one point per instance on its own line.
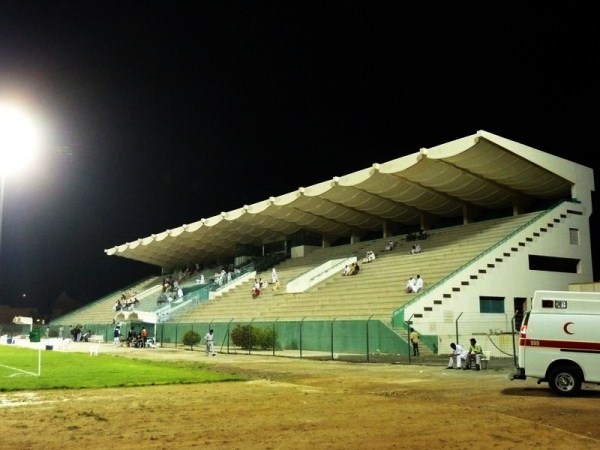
[1, 203]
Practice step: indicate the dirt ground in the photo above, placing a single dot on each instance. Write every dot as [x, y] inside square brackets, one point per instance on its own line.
[292, 403]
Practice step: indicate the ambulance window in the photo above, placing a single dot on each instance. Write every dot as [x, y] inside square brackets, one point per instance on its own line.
[547, 303]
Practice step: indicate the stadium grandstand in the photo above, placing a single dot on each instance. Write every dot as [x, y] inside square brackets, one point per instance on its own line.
[495, 219]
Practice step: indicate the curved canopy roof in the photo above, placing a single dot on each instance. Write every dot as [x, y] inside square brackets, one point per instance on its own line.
[478, 172]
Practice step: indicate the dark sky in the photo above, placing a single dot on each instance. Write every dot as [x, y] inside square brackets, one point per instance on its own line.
[162, 113]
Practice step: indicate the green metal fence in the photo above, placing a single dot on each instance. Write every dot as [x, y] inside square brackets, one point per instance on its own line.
[363, 340]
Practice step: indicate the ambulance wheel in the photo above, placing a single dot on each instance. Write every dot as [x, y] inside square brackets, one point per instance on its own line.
[565, 380]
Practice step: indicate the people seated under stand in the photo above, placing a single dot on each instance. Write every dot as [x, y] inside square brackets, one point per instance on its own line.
[131, 337]
[422, 235]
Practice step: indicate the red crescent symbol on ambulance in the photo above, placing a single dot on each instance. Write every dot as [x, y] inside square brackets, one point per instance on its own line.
[566, 327]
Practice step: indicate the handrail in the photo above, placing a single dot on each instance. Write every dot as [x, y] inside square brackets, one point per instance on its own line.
[61, 319]
[480, 256]
[317, 274]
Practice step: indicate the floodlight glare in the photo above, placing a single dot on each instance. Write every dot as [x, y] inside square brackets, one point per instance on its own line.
[19, 139]
[19, 142]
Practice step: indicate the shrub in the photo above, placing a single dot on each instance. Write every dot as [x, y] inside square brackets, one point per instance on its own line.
[191, 338]
[249, 337]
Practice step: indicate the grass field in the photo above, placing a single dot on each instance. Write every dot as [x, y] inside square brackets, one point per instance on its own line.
[61, 370]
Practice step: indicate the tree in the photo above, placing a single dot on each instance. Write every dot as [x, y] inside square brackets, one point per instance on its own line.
[191, 338]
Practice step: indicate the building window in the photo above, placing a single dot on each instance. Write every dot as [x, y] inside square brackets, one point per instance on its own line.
[491, 304]
[553, 264]
[574, 236]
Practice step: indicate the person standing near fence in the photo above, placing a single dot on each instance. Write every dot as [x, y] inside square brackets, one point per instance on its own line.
[414, 339]
[209, 338]
[117, 336]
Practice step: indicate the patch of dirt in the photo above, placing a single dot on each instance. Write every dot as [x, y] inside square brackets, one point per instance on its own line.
[291, 403]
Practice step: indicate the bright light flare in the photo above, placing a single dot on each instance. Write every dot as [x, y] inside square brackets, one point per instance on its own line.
[19, 139]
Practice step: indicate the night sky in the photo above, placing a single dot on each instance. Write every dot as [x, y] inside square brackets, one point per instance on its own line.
[163, 113]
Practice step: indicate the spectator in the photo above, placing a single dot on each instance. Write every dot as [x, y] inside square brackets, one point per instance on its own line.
[370, 257]
[131, 337]
[354, 269]
[256, 289]
[389, 246]
[474, 354]
[346, 270]
[276, 286]
[117, 336]
[87, 335]
[410, 285]
[418, 284]
[416, 248]
[458, 355]
[143, 337]
[422, 235]
[414, 339]
[274, 276]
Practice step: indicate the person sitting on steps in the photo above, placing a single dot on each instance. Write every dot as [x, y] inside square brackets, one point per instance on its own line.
[410, 285]
[416, 248]
[370, 257]
[256, 289]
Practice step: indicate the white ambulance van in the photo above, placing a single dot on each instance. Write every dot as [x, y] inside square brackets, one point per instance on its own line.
[559, 341]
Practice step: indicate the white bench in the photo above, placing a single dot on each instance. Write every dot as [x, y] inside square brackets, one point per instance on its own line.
[96, 339]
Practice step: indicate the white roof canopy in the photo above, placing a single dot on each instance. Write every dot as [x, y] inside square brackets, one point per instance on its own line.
[481, 172]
